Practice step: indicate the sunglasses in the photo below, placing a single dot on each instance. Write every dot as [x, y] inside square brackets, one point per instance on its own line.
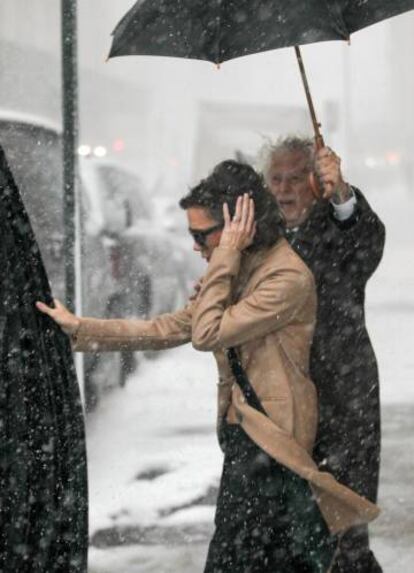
[200, 237]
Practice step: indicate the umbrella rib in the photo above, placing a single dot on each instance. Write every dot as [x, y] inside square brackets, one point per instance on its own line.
[338, 20]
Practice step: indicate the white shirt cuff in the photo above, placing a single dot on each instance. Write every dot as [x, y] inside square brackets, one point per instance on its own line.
[343, 211]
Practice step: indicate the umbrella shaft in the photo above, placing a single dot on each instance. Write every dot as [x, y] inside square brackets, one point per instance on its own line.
[316, 125]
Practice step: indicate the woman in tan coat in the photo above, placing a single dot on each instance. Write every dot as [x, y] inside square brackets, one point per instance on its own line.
[275, 510]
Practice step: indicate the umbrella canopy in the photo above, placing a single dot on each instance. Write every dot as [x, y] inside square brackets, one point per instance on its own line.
[43, 483]
[358, 14]
[220, 30]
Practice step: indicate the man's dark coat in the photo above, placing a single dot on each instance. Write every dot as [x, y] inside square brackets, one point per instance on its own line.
[343, 256]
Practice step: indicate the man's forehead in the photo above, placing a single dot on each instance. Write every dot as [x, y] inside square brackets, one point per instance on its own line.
[289, 162]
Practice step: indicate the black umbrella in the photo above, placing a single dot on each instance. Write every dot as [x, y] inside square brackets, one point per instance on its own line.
[220, 30]
[43, 482]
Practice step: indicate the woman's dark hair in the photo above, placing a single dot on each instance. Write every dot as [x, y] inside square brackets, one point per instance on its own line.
[225, 184]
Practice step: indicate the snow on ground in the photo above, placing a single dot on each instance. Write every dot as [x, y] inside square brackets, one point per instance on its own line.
[161, 428]
[161, 424]
[148, 559]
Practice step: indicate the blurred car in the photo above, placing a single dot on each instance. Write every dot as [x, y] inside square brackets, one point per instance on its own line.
[122, 275]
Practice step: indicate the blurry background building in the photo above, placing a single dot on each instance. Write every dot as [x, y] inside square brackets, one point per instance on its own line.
[157, 116]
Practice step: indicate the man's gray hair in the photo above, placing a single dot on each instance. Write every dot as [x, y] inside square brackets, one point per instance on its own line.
[285, 144]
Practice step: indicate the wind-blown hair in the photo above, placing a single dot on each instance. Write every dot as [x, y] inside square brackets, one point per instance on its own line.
[225, 184]
[289, 144]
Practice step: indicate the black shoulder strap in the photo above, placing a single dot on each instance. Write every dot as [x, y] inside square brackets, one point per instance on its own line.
[243, 381]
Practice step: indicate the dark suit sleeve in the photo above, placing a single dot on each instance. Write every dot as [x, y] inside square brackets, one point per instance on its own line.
[361, 239]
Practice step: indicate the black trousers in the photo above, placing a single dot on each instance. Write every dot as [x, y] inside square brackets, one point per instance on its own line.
[267, 520]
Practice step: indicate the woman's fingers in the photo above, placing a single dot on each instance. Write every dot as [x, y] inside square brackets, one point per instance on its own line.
[61, 315]
[238, 210]
[241, 211]
[196, 289]
[245, 209]
[226, 215]
[250, 215]
[251, 223]
[239, 230]
[45, 309]
[252, 231]
[246, 221]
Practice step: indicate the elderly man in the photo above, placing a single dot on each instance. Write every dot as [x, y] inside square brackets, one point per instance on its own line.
[341, 239]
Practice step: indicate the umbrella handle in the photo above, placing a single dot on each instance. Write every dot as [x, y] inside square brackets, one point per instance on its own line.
[314, 182]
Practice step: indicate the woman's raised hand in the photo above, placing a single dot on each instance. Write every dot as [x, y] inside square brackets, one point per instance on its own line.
[238, 233]
[68, 321]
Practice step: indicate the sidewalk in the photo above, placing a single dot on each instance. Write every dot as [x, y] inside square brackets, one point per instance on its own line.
[182, 548]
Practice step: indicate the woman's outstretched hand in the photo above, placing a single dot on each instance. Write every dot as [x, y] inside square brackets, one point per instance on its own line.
[68, 321]
[238, 233]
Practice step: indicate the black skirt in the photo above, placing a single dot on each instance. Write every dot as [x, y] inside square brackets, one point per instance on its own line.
[267, 520]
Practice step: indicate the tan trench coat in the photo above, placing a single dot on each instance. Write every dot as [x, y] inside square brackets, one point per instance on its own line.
[264, 303]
